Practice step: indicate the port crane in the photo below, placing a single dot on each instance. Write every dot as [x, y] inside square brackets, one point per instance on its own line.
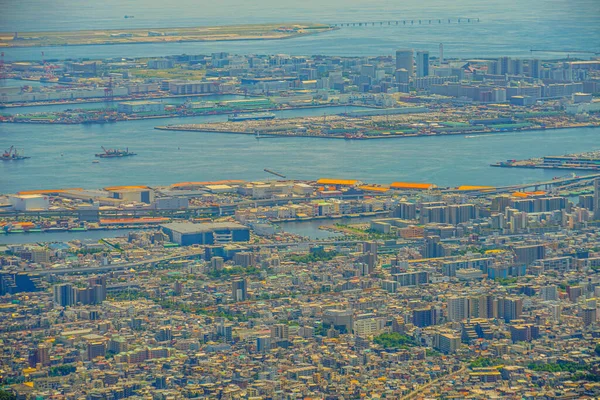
[274, 173]
[7, 152]
[48, 69]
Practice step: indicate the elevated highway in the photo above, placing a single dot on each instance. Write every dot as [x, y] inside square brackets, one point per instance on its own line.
[532, 185]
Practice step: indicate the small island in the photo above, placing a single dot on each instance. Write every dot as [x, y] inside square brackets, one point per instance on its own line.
[161, 35]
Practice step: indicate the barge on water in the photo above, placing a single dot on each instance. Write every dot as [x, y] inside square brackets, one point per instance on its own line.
[115, 153]
[589, 161]
[12, 154]
[250, 117]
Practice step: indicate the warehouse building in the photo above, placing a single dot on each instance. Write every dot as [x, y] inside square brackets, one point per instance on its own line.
[133, 107]
[187, 233]
[30, 202]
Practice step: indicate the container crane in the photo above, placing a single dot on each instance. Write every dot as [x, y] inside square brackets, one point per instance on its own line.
[274, 173]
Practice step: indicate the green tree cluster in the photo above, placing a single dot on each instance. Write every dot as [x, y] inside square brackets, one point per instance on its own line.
[4, 395]
[62, 370]
[483, 362]
[559, 367]
[320, 255]
[251, 270]
[394, 340]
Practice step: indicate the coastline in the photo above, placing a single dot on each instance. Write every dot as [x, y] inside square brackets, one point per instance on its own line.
[163, 116]
[280, 135]
[100, 100]
[307, 29]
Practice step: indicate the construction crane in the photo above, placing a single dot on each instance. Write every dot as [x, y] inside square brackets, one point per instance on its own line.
[108, 93]
[7, 152]
[48, 69]
[2, 70]
[274, 173]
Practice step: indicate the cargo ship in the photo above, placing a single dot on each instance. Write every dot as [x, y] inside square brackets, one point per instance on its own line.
[251, 117]
[589, 161]
[99, 120]
[115, 153]
[12, 155]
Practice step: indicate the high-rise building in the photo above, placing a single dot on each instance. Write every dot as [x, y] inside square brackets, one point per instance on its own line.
[280, 331]
[225, 331]
[216, 263]
[64, 295]
[597, 199]
[405, 210]
[160, 382]
[435, 214]
[96, 349]
[117, 344]
[370, 247]
[368, 70]
[549, 292]
[588, 314]
[535, 68]
[239, 290]
[574, 292]
[481, 306]
[516, 67]
[340, 320]
[404, 60]
[504, 65]
[414, 278]
[402, 76]
[369, 260]
[510, 308]
[424, 317]
[165, 334]
[370, 255]
[433, 248]
[528, 254]
[94, 294]
[447, 342]
[263, 344]
[178, 288]
[522, 333]
[422, 63]
[555, 310]
[459, 213]
[244, 259]
[42, 355]
[458, 308]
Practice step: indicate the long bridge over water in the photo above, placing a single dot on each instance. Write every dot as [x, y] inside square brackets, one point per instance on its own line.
[403, 22]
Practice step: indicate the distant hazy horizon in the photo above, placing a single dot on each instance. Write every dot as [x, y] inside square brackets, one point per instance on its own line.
[40, 15]
[508, 28]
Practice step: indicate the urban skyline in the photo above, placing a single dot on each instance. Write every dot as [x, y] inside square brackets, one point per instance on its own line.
[194, 206]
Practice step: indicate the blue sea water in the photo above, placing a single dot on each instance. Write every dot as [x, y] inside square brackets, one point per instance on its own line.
[506, 27]
[62, 155]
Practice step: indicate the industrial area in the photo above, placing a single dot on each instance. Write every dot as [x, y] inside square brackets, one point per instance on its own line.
[152, 249]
